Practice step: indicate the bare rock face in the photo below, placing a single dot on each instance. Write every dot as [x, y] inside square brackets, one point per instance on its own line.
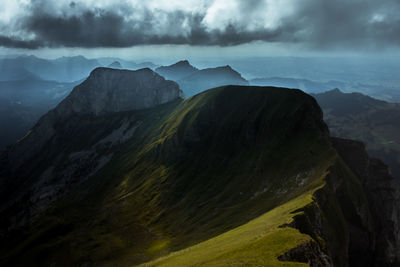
[104, 91]
[355, 219]
[383, 193]
[110, 90]
[309, 253]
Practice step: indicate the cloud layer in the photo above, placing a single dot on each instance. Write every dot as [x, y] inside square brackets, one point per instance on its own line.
[320, 24]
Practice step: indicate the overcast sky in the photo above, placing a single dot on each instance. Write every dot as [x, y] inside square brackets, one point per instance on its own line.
[200, 25]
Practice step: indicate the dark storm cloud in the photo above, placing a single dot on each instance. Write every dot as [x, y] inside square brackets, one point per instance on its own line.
[13, 42]
[316, 23]
[108, 29]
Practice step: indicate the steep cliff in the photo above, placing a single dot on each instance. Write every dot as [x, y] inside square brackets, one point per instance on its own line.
[372, 121]
[383, 194]
[354, 219]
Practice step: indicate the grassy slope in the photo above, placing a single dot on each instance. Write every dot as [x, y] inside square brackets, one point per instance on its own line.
[256, 243]
[194, 170]
[262, 240]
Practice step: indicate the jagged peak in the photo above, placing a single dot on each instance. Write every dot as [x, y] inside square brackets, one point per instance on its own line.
[228, 67]
[182, 63]
[336, 90]
[333, 92]
[115, 64]
[225, 69]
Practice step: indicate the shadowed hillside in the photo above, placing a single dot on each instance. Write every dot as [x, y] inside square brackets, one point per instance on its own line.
[360, 117]
[235, 168]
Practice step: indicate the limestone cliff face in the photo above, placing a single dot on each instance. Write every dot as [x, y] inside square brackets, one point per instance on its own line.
[104, 91]
[110, 90]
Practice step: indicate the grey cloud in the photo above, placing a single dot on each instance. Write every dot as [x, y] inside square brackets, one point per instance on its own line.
[344, 23]
[316, 23]
[17, 43]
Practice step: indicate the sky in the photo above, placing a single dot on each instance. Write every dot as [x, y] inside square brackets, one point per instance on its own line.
[199, 27]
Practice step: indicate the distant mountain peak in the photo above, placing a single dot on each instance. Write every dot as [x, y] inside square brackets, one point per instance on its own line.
[227, 70]
[182, 62]
[177, 70]
[209, 78]
[227, 67]
[115, 65]
[336, 90]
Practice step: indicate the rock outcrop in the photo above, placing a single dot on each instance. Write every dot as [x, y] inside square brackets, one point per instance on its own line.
[354, 220]
[383, 195]
[109, 90]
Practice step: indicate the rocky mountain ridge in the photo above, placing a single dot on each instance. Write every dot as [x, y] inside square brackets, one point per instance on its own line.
[149, 179]
[193, 81]
[177, 71]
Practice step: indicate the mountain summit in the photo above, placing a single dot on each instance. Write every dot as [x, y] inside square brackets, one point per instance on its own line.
[111, 90]
[115, 65]
[177, 70]
[209, 78]
[192, 80]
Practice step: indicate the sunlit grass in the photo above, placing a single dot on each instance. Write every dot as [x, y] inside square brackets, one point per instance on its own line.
[256, 243]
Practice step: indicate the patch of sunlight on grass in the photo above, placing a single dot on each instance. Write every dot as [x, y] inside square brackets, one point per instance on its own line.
[158, 246]
[256, 243]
